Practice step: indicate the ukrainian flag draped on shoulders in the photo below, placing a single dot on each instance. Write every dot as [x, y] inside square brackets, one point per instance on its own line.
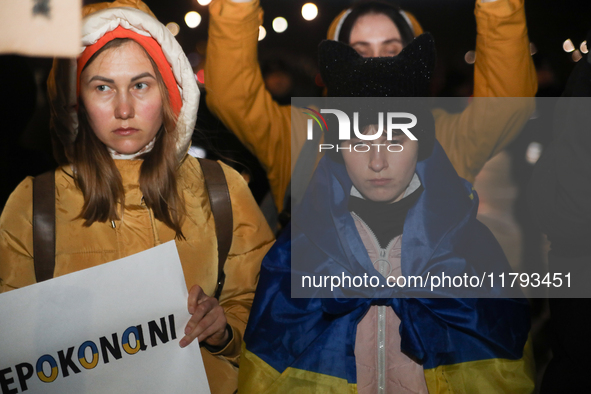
[466, 345]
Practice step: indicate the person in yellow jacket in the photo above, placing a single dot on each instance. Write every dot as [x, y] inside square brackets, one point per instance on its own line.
[236, 92]
[127, 183]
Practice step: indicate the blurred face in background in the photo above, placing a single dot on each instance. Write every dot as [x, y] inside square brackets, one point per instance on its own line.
[122, 98]
[375, 35]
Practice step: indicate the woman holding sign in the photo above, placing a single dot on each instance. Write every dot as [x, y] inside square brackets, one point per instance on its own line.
[124, 113]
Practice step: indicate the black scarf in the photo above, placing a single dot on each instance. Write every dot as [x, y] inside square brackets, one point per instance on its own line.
[385, 220]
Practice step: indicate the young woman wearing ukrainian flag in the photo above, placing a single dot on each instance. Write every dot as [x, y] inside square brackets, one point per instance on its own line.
[385, 213]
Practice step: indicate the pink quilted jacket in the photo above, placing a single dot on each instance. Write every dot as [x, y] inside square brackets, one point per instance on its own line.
[381, 366]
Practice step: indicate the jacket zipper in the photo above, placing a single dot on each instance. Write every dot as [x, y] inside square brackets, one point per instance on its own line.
[117, 240]
[381, 326]
[373, 236]
[152, 222]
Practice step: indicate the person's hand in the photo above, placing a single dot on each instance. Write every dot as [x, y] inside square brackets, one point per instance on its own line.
[208, 321]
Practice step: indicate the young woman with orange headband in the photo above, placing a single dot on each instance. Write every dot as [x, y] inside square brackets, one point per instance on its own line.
[124, 113]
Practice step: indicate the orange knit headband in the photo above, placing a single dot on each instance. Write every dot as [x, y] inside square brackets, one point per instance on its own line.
[153, 49]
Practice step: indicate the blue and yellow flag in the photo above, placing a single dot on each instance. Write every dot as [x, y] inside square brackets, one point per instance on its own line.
[466, 345]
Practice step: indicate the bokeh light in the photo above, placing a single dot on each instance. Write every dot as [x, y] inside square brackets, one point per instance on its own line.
[192, 19]
[584, 48]
[201, 76]
[533, 152]
[568, 46]
[194, 59]
[470, 57]
[173, 27]
[532, 49]
[262, 33]
[318, 80]
[279, 24]
[309, 11]
[203, 2]
[577, 55]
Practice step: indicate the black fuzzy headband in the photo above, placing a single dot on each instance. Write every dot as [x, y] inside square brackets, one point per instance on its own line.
[346, 74]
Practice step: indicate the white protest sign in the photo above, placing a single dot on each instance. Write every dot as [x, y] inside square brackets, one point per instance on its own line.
[114, 328]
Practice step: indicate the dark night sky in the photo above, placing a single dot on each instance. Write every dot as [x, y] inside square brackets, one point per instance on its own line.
[452, 23]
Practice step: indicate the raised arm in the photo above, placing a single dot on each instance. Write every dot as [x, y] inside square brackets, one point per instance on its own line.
[236, 92]
[503, 69]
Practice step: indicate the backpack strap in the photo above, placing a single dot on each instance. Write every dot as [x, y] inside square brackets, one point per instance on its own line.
[221, 208]
[44, 220]
[44, 225]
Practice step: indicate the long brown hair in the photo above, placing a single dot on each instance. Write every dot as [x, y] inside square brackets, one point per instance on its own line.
[100, 181]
